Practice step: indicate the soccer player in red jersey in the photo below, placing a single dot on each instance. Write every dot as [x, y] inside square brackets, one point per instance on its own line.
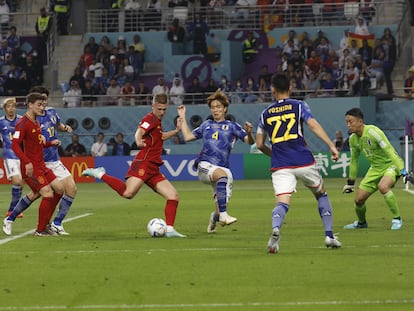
[145, 168]
[28, 143]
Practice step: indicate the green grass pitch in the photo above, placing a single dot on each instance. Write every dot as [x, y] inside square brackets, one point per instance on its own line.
[110, 263]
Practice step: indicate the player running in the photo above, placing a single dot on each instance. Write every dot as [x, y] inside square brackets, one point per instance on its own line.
[291, 160]
[10, 160]
[145, 168]
[386, 166]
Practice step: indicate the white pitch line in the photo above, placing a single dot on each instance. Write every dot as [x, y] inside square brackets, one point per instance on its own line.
[21, 235]
[214, 305]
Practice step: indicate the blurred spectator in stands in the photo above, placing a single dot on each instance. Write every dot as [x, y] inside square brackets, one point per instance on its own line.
[367, 9]
[106, 43]
[306, 49]
[288, 48]
[344, 59]
[198, 31]
[161, 87]
[361, 27]
[353, 48]
[352, 72]
[225, 84]
[250, 48]
[15, 83]
[153, 15]
[113, 92]
[294, 90]
[87, 57]
[296, 61]
[176, 32]
[89, 95]
[62, 9]
[97, 68]
[328, 86]
[320, 35]
[377, 65]
[362, 85]
[33, 70]
[127, 95]
[323, 48]
[344, 86]
[122, 47]
[343, 43]
[93, 46]
[72, 97]
[366, 52]
[293, 38]
[358, 61]
[102, 55]
[389, 46]
[314, 63]
[75, 149]
[265, 74]
[13, 41]
[78, 77]
[194, 93]
[265, 94]
[140, 49]
[237, 97]
[113, 67]
[134, 60]
[337, 72]
[6, 54]
[338, 140]
[251, 91]
[245, 12]
[409, 83]
[128, 70]
[143, 93]
[133, 17]
[332, 57]
[99, 148]
[4, 18]
[312, 85]
[211, 87]
[177, 92]
[121, 148]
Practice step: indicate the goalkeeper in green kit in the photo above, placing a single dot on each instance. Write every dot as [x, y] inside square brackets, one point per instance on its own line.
[386, 166]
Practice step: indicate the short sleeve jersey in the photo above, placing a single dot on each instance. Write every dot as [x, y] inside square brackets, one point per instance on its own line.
[218, 140]
[29, 135]
[376, 148]
[7, 130]
[282, 122]
[152, 138]
[49, 124]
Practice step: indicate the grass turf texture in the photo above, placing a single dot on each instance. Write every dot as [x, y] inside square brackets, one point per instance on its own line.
[110, 263]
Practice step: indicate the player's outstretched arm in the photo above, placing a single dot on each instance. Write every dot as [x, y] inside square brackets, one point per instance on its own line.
[249, 139]
[185, 129]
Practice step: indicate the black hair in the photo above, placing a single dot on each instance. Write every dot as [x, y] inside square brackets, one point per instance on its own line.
[280, 82]
[355, 112]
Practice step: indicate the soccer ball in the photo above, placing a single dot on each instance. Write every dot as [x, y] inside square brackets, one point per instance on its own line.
[157, 227]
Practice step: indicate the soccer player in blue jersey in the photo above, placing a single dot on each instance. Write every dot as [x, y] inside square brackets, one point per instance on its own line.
[282, 122]
[10, 160]
[50, 124]
[219, 136]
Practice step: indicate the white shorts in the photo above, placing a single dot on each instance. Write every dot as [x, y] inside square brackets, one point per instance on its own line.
[12, 167]
[58, 169]
[285, 180]
[205, 172]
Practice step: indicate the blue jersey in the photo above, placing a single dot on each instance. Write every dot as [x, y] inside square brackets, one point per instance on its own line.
[282, 122]
[218, 139]
[7, 131]
[49, 124]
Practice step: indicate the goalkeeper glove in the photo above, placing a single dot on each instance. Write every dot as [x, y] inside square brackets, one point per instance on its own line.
[407, 177]
[349, 187]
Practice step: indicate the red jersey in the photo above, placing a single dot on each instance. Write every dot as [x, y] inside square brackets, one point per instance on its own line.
[29, 136]
[152, 138]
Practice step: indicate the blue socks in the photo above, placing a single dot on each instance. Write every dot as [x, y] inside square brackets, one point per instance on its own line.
[325, 211]
[16, 195]
[221, 193]
[64, 207]
[22, 205]
[278, 214]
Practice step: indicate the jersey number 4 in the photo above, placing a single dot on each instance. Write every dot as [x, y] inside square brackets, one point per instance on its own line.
[276, 121]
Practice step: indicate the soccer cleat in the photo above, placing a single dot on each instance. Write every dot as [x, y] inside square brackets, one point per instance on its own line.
[94, 172]
[43, 233]
[174, 233]
[18, 216]
[396, 224]
[226, 220]
[211, 228]
[59, 230]
[332, 242]
[7, 226]
[50, 230]
[273, 244]
[356, 225]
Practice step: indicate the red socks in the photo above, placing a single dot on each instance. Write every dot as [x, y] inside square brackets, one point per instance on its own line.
[115, 183]
[170, 212]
